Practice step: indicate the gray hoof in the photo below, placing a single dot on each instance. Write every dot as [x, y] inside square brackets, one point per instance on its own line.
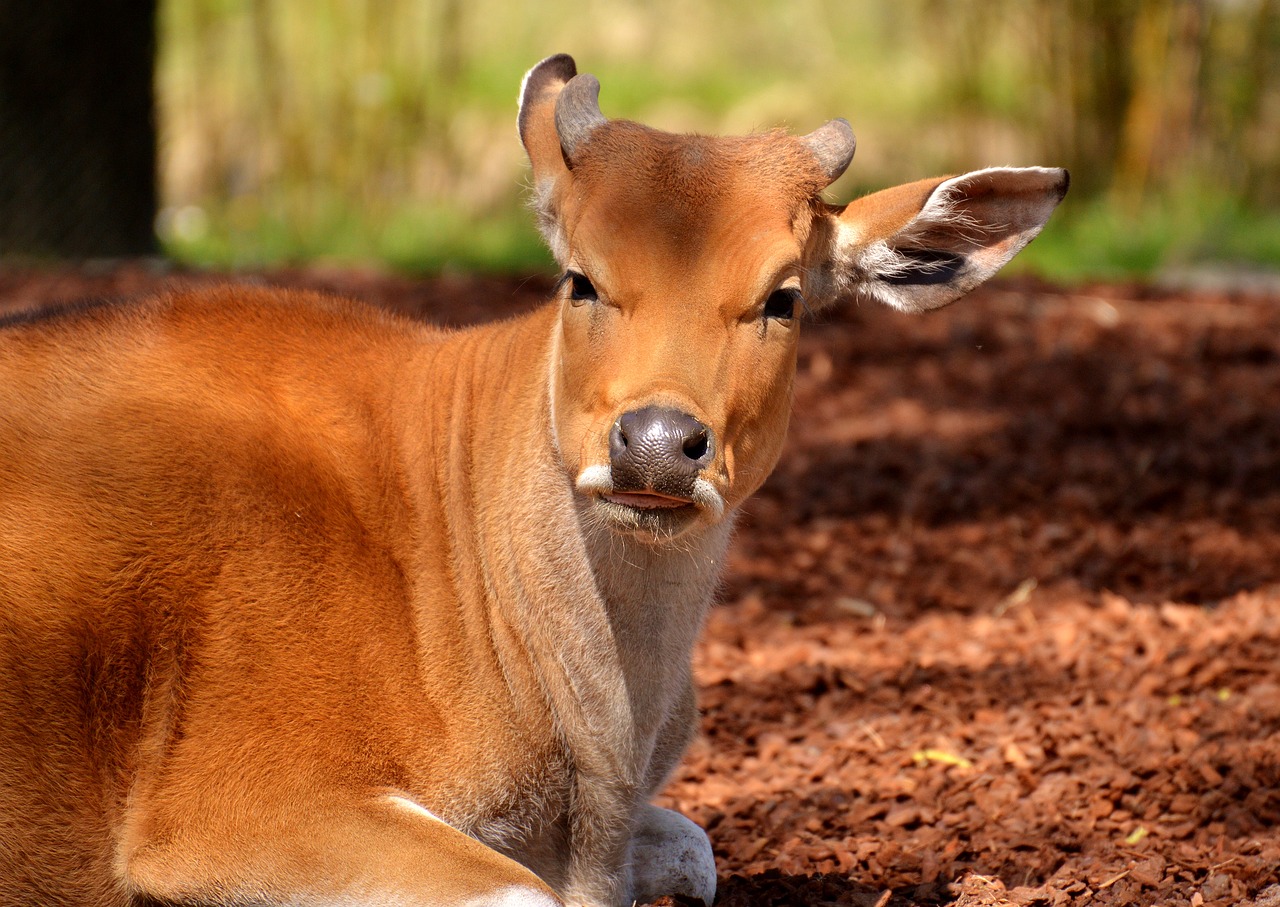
[671, 855]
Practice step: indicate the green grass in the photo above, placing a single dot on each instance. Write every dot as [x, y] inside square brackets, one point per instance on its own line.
[413, 240]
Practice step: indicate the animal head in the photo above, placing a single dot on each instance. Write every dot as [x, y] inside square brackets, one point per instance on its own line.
[686, 260]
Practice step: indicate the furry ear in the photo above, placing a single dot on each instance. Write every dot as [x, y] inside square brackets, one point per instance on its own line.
[923, 245]
[559, 110]
[537, 119]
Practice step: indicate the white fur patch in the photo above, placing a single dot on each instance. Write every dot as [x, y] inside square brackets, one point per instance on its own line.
[523, 83]
[513, 896]
[553, 400]
[706, 497]
[507, 896]
[868, 267]
[410, 806]
[596, 480]
[543, 205]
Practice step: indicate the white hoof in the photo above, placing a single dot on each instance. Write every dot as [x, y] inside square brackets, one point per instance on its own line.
[671, 855]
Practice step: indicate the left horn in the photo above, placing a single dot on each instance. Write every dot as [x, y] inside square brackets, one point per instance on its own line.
[832, 146]
[578, 113]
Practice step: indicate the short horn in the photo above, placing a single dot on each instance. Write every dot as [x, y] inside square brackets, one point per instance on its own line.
[832, 146]
[578, 113]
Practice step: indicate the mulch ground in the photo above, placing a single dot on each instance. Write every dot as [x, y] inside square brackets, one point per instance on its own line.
[1004, 626]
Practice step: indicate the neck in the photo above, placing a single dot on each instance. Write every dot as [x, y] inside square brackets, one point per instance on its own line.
[656, 596]
[580, 604]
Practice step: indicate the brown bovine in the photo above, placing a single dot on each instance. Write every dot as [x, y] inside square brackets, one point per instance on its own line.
[303, 603]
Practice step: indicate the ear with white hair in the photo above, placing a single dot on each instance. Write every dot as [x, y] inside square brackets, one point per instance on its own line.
[559, 109]
[923, 245]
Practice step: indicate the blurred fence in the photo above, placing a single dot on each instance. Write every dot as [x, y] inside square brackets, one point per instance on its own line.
[382, 126]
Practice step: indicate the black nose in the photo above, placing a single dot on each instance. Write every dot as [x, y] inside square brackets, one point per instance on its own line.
[659, 449]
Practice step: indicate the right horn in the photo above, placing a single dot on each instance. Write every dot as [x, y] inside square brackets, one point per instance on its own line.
[831, 145]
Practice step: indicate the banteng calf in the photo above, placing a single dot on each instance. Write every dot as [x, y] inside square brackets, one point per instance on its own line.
[303, 603]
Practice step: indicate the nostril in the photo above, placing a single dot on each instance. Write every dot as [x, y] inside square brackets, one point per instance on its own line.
[695, 446]
[617, 440]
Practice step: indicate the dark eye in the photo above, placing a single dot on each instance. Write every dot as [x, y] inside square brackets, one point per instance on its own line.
[580, 288]
[781, 304]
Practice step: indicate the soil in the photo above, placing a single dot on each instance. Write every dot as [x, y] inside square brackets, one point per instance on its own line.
[1004, 625]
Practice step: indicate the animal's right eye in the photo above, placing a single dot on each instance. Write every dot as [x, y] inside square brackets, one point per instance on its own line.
[580, 288]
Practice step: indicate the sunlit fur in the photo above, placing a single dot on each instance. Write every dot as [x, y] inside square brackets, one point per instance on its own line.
[302, 603]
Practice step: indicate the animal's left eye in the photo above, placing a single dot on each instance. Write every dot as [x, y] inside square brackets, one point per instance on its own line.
[781, 304]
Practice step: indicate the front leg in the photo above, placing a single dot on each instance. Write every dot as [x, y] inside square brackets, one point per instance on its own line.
[376, 851]
[671, 855]
[598, 872]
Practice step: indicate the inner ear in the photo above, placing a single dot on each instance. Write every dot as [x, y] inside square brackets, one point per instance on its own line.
[925, 267]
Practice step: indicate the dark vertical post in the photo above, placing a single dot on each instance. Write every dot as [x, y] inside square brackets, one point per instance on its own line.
[77, 129]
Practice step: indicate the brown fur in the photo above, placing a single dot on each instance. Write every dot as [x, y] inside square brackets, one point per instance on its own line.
[279, 574]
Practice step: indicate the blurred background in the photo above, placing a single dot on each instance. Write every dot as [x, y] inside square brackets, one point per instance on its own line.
[384, 130]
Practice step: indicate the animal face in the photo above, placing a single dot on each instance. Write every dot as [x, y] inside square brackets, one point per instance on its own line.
[687, 260]
[683, 282]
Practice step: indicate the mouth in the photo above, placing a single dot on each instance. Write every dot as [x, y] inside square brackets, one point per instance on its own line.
[646, 500]
[649, 509]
